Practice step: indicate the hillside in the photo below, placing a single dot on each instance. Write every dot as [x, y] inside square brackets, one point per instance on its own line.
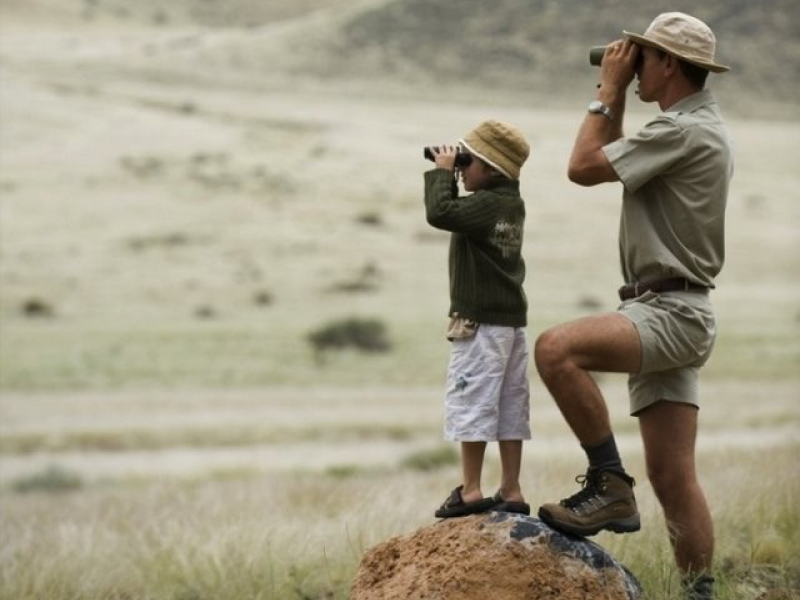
[536, 48]
[542, 45]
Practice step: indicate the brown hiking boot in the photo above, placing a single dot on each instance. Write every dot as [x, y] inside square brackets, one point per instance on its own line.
[605, 502]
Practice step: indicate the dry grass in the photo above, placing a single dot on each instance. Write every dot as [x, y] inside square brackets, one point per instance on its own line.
[290, 518]
[153, 281]
[286, 536]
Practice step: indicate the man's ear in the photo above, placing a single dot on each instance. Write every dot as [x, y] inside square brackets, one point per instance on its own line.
[671, 65]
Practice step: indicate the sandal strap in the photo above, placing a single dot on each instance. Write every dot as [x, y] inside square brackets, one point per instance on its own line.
[454, 499]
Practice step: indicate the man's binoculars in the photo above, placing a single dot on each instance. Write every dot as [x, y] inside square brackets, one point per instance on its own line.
[596, 55]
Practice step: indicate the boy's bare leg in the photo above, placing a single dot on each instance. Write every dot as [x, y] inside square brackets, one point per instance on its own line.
[471, 467]
[669, 431]
[511, 462]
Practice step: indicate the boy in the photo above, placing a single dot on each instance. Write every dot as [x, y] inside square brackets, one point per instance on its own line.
[487, 386]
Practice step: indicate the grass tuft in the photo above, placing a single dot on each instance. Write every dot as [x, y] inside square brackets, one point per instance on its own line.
[52, 480]
[431, 460]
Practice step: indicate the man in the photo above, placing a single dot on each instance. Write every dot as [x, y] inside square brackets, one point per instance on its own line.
[675, 174]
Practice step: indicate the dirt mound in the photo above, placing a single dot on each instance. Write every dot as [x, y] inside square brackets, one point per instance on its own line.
[498, 556]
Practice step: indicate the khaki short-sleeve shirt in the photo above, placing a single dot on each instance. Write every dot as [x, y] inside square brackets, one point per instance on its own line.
[675, 173]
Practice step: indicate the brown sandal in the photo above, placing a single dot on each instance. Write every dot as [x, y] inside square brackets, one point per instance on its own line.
[455, 506]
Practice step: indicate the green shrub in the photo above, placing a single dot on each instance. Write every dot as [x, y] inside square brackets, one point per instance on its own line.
[53, 479]
[37, 308]
[366, 335]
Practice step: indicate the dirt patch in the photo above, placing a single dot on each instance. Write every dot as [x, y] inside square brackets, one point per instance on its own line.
[476, 558]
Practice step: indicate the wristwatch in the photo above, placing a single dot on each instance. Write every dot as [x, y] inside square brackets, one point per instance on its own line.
[597, 107]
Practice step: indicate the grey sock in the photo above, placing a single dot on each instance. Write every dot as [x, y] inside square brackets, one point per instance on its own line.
[604, 455]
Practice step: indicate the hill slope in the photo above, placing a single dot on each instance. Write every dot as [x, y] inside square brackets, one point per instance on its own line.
[535, 48]
[541, 45]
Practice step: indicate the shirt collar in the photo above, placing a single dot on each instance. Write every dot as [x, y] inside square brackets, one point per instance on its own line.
[692, 102]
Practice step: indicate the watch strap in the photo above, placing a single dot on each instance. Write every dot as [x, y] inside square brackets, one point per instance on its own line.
[597, 107]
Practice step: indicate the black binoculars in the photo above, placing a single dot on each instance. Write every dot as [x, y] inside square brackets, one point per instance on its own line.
[463, 159]
[596, 56]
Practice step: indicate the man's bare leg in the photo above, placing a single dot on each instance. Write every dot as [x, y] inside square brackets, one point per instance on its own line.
[565, 356]
[669, 431]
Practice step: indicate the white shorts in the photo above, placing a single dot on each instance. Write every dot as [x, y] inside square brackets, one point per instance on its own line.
[487, 387]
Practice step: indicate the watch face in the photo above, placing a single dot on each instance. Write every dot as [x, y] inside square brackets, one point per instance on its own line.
[595, 106]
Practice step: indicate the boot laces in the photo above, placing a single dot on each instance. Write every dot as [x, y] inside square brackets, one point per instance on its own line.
[588, 483]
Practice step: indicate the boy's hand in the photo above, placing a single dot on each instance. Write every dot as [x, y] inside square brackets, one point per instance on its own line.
[445, 157]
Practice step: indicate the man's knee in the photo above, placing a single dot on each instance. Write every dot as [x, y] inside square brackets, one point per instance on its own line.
[550, 351]
[671, 481]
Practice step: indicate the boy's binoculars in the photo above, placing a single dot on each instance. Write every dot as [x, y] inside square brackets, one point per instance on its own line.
[463, 159]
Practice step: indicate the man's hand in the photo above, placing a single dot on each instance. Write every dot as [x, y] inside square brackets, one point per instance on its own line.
[445, 157]
[619, 66]
[588, 164]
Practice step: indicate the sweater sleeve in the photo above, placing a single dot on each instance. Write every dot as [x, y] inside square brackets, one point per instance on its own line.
[444, 209]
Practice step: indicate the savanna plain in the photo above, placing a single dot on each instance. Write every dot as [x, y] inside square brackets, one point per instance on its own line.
[176, 229]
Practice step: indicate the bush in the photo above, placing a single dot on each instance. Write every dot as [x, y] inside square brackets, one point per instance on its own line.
[366, 335]
[365, 281]
[263, 298]
[53, 479]
[37, 308]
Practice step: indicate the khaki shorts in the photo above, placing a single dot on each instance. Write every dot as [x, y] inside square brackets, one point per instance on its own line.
[677, 331]
[487, 397]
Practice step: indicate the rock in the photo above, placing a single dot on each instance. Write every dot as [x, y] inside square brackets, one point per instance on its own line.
[495, 556]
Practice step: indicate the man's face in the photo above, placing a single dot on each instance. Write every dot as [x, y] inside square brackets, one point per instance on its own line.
[649, 74]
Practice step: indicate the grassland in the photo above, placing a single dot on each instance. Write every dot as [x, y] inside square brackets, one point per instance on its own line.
[175, 224]
[334, 472]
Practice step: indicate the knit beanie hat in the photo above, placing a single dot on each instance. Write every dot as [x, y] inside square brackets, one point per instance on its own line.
[499, 144]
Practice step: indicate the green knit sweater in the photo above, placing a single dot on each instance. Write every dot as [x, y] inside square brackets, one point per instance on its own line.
[486, 265]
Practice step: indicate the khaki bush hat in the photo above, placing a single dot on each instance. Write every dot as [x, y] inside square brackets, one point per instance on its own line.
[500, 145]
[683, 36]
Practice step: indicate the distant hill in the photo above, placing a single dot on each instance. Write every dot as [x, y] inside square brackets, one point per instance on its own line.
[534, 48]
[541, 45]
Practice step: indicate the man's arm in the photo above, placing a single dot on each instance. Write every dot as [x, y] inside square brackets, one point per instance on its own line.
[588, 164]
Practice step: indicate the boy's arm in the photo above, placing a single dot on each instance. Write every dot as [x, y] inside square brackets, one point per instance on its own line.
[441, 192]
[441, 188]
[445, 210]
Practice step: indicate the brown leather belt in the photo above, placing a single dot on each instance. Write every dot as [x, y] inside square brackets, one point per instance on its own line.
[674, 284]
